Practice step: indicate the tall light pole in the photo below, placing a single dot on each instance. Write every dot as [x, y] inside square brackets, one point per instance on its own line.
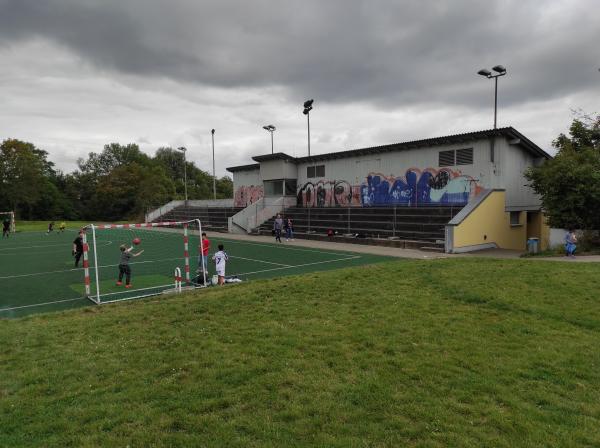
[271, 129]
[212, 131]
[307, 108]
[184, 150]
[500, 71]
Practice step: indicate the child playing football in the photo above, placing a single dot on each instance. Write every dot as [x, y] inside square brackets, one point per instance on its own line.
[124, 268]
[220, 258]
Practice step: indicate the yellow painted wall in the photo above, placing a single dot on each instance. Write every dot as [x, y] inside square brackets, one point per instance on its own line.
[489, 223]
[537, 227]
[545, 234]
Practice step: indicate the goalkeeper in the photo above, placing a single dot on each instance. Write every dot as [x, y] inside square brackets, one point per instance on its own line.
[6, 228]
[77, 250]
[124, 268]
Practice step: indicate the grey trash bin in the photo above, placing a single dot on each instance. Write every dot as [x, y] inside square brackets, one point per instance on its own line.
[533, 245]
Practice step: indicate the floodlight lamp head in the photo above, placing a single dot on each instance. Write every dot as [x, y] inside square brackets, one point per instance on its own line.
[212, 131]
[182, 149]
[308, 104]
[499, 69]
[266, 128]
[307, 110]
[484, 72]
[271, 127]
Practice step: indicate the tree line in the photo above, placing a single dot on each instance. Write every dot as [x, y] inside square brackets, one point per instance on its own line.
[569, 184]
[119, 183]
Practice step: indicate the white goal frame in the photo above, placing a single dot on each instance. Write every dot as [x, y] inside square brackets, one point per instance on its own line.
[95, 297]
[13, 227]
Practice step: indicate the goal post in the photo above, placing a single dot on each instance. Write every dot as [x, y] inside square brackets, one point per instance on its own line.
[11, 217]
[130, 261]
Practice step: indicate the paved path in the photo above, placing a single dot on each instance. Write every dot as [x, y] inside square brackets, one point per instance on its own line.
[397, 252]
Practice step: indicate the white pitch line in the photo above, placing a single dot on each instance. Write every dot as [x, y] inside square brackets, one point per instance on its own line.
[261, 261]
[40, 304]
[245, 273]
[282, 247]
[81, 269]
[104, 243]
[301, 265]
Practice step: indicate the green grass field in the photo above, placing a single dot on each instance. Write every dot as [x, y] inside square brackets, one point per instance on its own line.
[37, 272]
[462, 352]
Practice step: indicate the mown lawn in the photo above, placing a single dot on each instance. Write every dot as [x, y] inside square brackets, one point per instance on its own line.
[463, 352]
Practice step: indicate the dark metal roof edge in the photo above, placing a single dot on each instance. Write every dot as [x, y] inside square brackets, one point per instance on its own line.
[252, 166]
[528, 144]
[434, 141]
[276, 156]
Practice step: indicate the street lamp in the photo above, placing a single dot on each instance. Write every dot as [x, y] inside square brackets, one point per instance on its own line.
[184, 150]
[271, 129]
[212, 131]
[500, 71]
[307, 108]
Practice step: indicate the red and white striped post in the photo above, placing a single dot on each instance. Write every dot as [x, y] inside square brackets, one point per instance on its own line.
[86, 265]
[177, 280]
[186, 253]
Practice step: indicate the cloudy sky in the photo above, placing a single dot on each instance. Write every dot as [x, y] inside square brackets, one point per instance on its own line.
[77, 74]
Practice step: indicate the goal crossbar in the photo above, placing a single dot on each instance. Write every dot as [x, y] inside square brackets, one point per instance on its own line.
[95, 297]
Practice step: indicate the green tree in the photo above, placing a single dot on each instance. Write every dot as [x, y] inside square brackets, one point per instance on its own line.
[224, 187]
[24, 175]
[200, 183]
[113, 156]
[569, 184]
[128, 190]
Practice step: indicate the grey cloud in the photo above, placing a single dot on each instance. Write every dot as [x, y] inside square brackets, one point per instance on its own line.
[384, 52]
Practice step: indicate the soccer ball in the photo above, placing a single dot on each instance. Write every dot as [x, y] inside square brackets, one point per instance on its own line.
[136, 241]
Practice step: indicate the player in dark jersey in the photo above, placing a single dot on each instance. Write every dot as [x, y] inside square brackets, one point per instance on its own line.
[78, 248]
[6, 228]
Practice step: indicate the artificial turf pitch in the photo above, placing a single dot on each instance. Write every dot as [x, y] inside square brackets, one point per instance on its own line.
[37, 272]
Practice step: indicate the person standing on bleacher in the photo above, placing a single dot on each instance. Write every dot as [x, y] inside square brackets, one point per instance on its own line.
[277, 226]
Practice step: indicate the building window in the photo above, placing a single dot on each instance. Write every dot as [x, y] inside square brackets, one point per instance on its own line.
[315, 171]
[273, 187]
[446, 158]
[456, 157]
[290, 187]
[464, 156]
[515, 218]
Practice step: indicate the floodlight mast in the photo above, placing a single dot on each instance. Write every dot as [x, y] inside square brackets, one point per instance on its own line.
[212, 131]
[500, 71]
[270, 128]
[307, 108]
[184, 150]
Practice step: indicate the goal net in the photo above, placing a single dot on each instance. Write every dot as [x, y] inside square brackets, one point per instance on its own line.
[10, 218]
[129, 261]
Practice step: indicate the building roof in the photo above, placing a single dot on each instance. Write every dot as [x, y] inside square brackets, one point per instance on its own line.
[276, 156]
[252, 166]
[514, 137]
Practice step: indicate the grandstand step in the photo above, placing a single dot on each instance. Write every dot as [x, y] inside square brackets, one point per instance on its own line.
[436, 248]
[431, 245]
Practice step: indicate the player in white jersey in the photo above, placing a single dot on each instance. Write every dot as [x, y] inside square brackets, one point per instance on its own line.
[220, 258]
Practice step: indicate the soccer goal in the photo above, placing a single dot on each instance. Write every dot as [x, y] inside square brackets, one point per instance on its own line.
[131, 261]
[10, 216]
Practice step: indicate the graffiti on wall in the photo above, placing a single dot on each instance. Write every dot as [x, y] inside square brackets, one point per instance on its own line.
[416, 187]
[246, 195]
[328, 193]
[419, 187]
